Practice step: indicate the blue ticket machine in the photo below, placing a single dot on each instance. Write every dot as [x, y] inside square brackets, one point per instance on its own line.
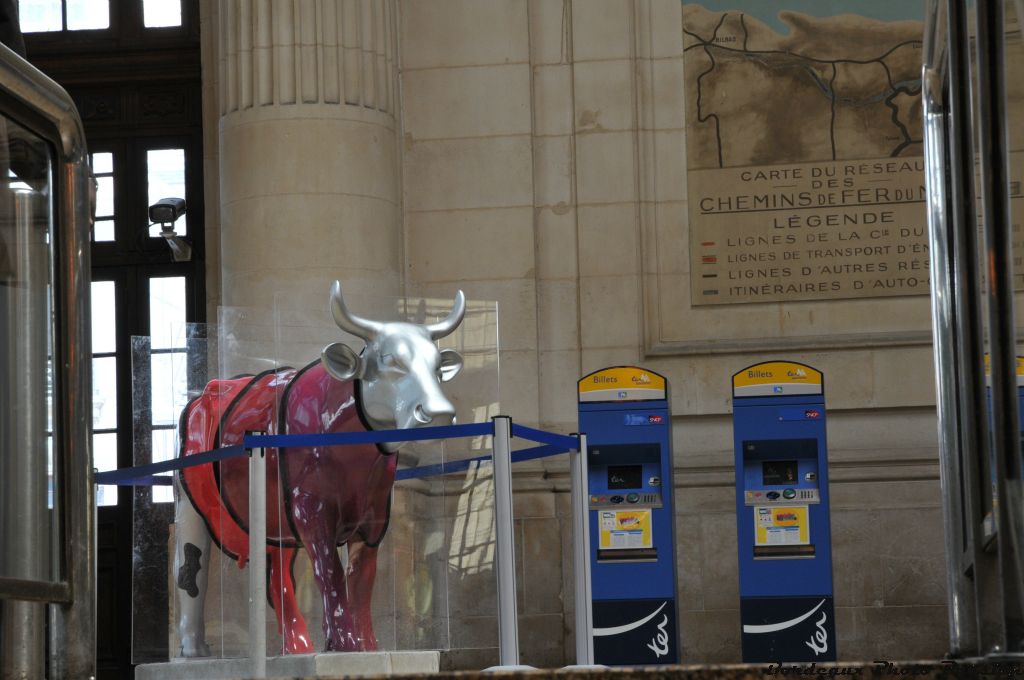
[624, 412]
[782, 514]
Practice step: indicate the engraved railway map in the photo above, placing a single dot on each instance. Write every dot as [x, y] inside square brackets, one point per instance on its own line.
[804, 144]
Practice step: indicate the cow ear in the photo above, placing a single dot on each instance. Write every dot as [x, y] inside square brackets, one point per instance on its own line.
[451, 364]
[341, 362]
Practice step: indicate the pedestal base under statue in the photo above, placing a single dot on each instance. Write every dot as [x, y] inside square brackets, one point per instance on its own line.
[326, 665]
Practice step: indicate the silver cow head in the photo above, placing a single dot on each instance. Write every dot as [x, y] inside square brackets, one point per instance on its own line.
[401, 369]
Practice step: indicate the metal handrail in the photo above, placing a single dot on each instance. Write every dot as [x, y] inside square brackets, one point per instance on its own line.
[934, 72]
[979, 434]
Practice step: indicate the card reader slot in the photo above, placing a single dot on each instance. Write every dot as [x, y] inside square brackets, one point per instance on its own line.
[628, 555]
[782, 552]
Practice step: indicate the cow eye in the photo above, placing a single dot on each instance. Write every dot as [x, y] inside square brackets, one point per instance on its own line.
[388, 360]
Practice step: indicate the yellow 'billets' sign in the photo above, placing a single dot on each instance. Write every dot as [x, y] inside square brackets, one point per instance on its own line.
[622, 383]
[777, 378]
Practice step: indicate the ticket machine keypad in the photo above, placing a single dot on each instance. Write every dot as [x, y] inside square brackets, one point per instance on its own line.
[783, 497]
[645, 500]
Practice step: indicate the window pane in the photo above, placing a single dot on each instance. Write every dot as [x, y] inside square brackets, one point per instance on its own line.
[104, 393]
[102, 162]
[167, 312]
[104, 454]
[103, 324]
[39, 15]
[88, 14]
[165, 447]
[103, 230]
[157, 13]
[169, 387]
[104, 196]
[166, 177]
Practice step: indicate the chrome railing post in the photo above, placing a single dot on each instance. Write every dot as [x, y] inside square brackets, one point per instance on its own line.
[258, 562]
[581, 554]
[508, 620]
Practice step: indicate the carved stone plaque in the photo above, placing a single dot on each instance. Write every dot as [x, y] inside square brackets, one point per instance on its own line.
[808, 231]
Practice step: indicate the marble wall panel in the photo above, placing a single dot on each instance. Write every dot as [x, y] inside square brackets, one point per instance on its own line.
[556, 254]
[605, 167]
[601, 30]
[609, 240]
[466, 173]
[601, 91]
[463, 33]
[461, 245]
[552, 85]
[471, 101]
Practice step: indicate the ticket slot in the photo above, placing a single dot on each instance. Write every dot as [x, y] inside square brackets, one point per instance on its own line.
[628, 555]
[782, 552]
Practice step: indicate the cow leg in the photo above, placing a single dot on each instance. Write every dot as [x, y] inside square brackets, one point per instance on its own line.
[192, 570]
[361, 574]
[290, 622]
[315, 525]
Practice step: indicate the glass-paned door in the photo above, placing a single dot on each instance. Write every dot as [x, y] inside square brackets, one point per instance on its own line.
[104, 385]
[168, 374]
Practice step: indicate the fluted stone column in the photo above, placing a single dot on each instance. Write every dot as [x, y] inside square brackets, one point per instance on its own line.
[309, 178]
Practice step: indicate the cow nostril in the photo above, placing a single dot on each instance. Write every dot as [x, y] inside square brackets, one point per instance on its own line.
[421, 415]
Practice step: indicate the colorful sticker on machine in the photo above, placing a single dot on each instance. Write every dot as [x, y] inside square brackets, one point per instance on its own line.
[622, 529]
[774, 525]
[988, 370]
[622, 383]
[777, 378]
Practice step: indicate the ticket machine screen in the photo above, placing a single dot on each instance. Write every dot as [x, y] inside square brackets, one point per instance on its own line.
[625, 477]
[779, 472]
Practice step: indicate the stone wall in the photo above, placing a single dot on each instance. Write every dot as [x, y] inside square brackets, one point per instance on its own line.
[539, 153]
[543, 155]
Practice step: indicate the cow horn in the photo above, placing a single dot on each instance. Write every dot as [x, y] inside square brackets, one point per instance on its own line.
[442, 328]
[347, 321]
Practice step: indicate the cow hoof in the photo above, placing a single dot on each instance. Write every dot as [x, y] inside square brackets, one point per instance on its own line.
[192, 646]
[298, 644]
[342, 643]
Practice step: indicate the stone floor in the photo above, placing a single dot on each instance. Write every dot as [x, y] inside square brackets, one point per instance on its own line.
[931, 670]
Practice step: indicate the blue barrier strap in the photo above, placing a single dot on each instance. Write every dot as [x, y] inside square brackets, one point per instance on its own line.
[141, 471]
[536, 452]
[543, 437]
[374, 437]
[145, 475]
[148, 480]
[440, 468]
[461, 465]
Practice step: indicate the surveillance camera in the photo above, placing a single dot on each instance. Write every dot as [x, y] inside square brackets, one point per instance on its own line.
[167, 210]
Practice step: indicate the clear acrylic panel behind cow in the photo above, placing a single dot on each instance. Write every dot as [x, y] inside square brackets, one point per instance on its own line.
[418, 538]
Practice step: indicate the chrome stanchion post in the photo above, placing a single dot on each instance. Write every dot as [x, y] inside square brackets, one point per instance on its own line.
[508, 631]
[258, 562]
[581, 553]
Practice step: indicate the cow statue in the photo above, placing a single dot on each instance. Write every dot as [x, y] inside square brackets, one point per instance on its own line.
[329, 496]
